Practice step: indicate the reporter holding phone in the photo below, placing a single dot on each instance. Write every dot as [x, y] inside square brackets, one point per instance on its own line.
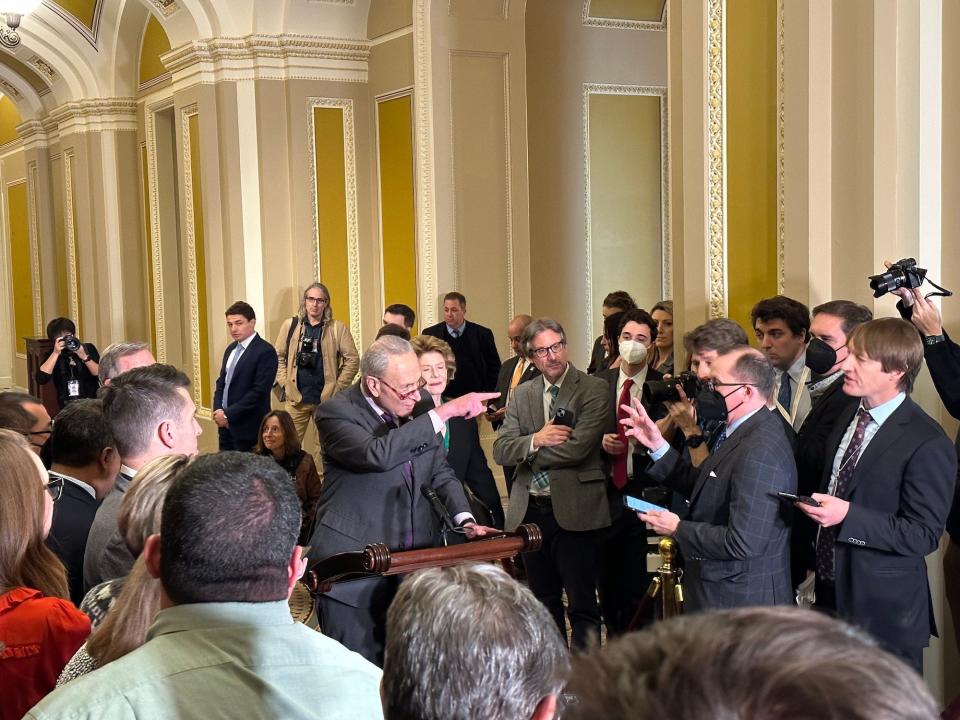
[559, 484]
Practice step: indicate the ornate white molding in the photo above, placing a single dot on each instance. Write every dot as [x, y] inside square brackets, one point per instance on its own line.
[350, 185]
[781, 155]
[153, 208]
[268, 57]
[167, 7]
[88, 34]
[716, 158]
[193, 275]
[425, 170]
[33, 221]
[666, 246]
[98, 115]
[44, 68]
[73, 265]
[10, 89]
[33, 135]
[622, 23]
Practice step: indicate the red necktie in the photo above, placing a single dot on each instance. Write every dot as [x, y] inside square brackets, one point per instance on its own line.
[620, 463]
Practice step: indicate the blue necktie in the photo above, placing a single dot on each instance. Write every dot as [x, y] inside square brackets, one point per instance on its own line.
[785, 395]
[230, 368]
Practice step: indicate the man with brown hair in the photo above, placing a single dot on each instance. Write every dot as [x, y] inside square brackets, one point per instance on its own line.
[745, 664]
[884, 496]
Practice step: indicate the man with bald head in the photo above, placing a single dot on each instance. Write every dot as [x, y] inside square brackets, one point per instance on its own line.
[735, 540]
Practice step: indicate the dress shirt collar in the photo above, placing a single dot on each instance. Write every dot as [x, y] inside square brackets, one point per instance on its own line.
[795, 371]
[246, 343]
[559, 383]
[740, 421]
[79, 483]
[883, 411]
[638, 379]
[457, 330]
[376, 408]
[128, 472]
[205, 616]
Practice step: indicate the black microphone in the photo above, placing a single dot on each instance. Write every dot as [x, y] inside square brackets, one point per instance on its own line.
[438, 507]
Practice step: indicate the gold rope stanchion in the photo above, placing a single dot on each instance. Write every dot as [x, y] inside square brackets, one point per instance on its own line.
[666, 583]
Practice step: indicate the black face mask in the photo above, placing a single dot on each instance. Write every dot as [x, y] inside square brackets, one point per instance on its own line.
[711, 406]
[820, 356]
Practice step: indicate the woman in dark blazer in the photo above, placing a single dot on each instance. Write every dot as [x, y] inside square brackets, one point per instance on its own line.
[278, 438]
[461, 437]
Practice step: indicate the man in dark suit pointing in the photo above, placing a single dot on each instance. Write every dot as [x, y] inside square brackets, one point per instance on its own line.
[246, 376]
[375, 464]
[735, 540]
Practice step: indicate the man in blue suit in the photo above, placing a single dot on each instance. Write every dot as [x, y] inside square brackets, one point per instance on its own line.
[246, 376]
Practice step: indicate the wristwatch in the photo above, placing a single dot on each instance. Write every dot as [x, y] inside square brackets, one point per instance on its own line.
[933, 339]
[695, 441]
[88, 359]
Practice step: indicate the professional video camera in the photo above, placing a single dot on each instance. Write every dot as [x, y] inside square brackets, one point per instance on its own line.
[70, 342]
[903, 274]
[308, 356]
[660, 391]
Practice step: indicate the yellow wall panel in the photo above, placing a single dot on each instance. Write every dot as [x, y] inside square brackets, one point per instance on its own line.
[642, 10]
[23, 296]
[9, 119]
[397, 206]
[751, 155]
[155, 43]
[332, 208]
[201, 261]
[625, 198]
[83, 10]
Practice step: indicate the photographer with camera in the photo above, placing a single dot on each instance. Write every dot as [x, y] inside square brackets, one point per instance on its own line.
[942, 355]
[72, 365]
[704, 344]
[317, 357]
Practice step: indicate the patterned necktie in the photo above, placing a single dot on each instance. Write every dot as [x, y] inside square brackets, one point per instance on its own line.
[230, 368]
[721, 438]
[827, 538]
[785, 396]
[541, 478]
[620, 463]
[455, 333]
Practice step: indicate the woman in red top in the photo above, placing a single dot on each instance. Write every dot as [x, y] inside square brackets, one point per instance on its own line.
[39, 631]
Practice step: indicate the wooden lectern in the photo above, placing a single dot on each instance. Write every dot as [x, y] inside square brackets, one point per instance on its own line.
[38, 349]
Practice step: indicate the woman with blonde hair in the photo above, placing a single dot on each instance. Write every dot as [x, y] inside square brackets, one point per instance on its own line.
[461, 437]
[133, 601]
[39, 628]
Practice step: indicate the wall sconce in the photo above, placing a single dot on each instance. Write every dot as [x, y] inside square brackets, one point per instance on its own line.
[12, 11]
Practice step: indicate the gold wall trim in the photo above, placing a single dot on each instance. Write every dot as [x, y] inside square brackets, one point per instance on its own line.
[153, 205]
[781, 153]
[508, 168]
[622, 24]
[716, 158]
[73, 264]
[350, 182]
[425, 170]
[32, 225]
[666, 247]
[193, 278]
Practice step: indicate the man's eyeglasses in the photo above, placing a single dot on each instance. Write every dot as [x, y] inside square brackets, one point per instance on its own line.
[54, 486]
[409, 394]
[713, 384]
[38, 438]
[315, 300]
[554, 349]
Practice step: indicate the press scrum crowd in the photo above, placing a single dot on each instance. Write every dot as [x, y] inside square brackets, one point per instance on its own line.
[138, 579]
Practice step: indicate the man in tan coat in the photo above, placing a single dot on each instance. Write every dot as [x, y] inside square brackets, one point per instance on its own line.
[318, 357]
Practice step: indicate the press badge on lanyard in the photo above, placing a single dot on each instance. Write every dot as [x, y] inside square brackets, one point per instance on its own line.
[73, 388]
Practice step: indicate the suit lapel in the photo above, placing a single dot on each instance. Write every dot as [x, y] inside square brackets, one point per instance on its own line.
[725, 450]
[887, 437]
[536, 402]
[568, 388]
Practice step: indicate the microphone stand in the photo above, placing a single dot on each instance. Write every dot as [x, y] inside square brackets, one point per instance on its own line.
[446, 522]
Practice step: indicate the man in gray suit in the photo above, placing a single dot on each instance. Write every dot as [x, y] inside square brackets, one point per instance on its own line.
[560, 484]
[375, 463]
[736, 540]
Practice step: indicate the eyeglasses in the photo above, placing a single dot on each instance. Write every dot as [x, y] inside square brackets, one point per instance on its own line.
[315, 300]
[713, 384]
[54, 486]
[409, 394]
[553, 349]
